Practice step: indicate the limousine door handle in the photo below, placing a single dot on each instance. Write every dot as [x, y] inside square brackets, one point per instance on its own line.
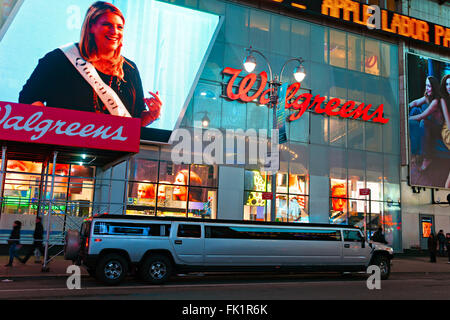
[346, 246]
[178, 242]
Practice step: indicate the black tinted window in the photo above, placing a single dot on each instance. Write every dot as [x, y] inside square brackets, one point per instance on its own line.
[224, 232]
[131, 229]
[352, 236]
[189, 231]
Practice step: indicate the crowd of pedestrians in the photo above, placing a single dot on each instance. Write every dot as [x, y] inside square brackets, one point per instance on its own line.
[437, 244]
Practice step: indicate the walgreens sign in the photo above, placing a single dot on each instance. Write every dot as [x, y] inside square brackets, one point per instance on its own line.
[299, 103]
[45, 125]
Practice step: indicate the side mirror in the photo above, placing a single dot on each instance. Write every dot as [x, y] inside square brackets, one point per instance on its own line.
[363, 243]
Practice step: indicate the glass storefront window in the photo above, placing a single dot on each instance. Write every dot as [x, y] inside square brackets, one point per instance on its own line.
[372, 57]
[355, 50]
[72, 188]
[356, 213]
[298, 209]
[339, 201]
[203, 175]
[338, 48]
[291, 199]
[178, 190]
[142, 169]
[255, 208]
[202, 203]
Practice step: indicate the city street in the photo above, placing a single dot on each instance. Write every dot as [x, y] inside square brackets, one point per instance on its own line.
[409, 280]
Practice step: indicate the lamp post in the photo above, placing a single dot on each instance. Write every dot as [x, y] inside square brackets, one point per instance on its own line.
[274, 84]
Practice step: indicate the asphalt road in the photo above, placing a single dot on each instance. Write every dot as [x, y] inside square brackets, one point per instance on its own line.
[410, 286]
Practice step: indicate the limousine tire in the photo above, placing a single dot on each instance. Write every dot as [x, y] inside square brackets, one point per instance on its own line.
[384, 264]
[156, 269]
[111, 269]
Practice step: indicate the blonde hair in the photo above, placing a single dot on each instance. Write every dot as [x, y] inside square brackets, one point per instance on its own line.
[88, 47]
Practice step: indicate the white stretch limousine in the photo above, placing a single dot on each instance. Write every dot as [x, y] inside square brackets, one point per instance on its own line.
[155, 247]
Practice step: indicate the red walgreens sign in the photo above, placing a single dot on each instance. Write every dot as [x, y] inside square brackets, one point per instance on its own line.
[62, 127]
[364, 192]
[301, 103]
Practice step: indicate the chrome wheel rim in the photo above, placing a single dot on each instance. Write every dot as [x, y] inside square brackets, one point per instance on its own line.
[384, 268]
[113, 270]
[158, 270]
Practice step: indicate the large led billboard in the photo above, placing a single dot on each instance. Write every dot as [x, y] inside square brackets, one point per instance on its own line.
[168, 44]
[428, 111]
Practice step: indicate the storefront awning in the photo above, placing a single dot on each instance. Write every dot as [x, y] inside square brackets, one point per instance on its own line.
[33, 133]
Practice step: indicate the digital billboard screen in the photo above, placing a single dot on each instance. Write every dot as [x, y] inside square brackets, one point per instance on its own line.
[428, 110]
[165, 45]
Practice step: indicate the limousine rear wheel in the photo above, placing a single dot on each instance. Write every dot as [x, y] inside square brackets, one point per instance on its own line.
[111, 269]
[156, 269]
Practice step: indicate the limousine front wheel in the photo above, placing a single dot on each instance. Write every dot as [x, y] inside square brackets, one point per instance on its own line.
[384, 264]
[156, 269]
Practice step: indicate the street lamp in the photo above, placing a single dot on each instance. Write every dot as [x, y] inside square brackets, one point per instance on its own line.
[274, 84]
[205, 120]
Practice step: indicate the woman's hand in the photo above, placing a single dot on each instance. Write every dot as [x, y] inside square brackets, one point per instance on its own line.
[154, 105]
[38, 103]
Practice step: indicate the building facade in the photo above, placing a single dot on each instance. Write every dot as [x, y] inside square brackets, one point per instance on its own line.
[326, 160]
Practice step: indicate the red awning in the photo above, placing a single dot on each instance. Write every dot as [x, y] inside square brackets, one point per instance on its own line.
[33, 133]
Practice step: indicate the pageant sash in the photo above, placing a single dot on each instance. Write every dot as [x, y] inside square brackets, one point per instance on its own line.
[108, 96]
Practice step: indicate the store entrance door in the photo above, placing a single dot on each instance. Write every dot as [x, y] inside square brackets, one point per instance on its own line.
[426, 226]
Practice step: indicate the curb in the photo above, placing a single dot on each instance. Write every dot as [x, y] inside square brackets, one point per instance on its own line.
[43, 276]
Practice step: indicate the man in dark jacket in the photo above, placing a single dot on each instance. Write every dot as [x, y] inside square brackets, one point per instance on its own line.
[378, 236]
[14, 241]
[432, 247]
[447, 243]
[37, 243]
[441, 240]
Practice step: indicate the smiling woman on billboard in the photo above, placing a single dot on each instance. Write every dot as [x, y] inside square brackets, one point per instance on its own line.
[92, 75]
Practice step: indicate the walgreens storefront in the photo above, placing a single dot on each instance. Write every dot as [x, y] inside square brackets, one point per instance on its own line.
[326, 160]
[324, 164]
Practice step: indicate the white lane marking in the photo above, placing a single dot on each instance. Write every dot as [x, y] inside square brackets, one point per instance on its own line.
[154, 287]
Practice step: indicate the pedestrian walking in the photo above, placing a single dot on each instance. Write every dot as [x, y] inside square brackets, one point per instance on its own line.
[14, 242]
[441, 240]
[432, 247]
[38, 237]
[447, 243]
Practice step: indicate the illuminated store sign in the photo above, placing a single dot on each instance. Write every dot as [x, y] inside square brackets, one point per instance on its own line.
[299, 103]
[55, 126]
[383, 20]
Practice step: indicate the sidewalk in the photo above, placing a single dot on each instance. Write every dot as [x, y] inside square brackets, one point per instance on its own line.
[58, 267]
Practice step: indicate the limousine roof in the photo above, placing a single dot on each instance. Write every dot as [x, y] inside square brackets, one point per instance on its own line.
[221, 221]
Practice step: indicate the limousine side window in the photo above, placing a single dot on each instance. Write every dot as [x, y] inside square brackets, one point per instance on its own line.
[352, 236]
[189, 231]
[131, 229]
[224, 232]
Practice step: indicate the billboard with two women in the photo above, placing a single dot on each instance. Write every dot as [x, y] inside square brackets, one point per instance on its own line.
[428, 90]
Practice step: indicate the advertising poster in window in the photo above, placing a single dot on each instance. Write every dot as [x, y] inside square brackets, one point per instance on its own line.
[177, 190]
[428, 111]
[138, 59]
